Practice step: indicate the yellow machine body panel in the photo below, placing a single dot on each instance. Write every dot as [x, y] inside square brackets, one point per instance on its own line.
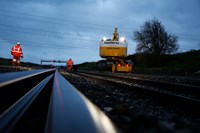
[112, 49]
[124, 68]
[109, 51]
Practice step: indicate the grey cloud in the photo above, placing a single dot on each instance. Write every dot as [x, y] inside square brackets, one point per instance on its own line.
[47, 1]
[93, 19]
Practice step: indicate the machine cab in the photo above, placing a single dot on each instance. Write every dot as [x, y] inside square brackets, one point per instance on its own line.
[109, 48]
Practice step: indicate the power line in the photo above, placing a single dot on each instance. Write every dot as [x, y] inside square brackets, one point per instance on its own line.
[71, 38]
[48, 31]
[62, 24]
[55, 18]
[47, 45]
[53, 32]
[69, 20]
[50, 22]
[73, 21]
[185, 36]
[42, 21]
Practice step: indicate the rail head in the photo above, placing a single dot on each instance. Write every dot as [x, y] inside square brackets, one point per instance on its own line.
[12, 77]
[10, 117]
[72, 112]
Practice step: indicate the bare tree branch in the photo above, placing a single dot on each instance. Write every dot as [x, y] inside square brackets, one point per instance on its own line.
[153, 39]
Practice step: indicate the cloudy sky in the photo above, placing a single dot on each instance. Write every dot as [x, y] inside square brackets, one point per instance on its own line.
[63, 29]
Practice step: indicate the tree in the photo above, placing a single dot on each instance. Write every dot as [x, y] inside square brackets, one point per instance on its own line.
[153, 39]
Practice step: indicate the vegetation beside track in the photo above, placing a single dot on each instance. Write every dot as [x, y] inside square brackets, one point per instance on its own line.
[180, 64]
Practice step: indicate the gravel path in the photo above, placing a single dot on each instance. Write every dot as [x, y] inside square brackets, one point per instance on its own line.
[132, 112]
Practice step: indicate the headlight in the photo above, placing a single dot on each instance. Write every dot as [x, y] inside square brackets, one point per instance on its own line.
[104, 39]
[122, 39]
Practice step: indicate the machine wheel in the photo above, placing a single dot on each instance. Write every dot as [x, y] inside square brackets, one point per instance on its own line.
[113, 68]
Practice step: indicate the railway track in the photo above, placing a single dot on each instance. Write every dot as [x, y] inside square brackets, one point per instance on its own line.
[44, 101]
[185, 97]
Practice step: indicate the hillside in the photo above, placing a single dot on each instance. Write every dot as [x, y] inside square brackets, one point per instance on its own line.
[8, 62]
[184, 64]
[181, 64]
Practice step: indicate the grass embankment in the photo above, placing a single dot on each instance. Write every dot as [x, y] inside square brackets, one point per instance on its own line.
[8, 62]
[183, 64]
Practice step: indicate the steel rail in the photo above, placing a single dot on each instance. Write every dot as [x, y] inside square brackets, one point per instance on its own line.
[72, 112]
[12, 77]
[11, 116]
[13, 85]
[189, 104]
[182, 88]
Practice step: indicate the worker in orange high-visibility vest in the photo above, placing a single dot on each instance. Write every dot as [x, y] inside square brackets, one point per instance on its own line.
[70, 64]
[17, 53]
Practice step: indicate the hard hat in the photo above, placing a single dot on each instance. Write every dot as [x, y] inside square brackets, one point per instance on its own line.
[18, 42]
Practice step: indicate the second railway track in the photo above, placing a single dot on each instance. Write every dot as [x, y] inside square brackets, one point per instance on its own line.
[177, 89]
[115, 92]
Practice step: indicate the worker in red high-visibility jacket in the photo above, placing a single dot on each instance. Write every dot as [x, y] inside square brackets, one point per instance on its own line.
[17, 53]
[70, 64]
